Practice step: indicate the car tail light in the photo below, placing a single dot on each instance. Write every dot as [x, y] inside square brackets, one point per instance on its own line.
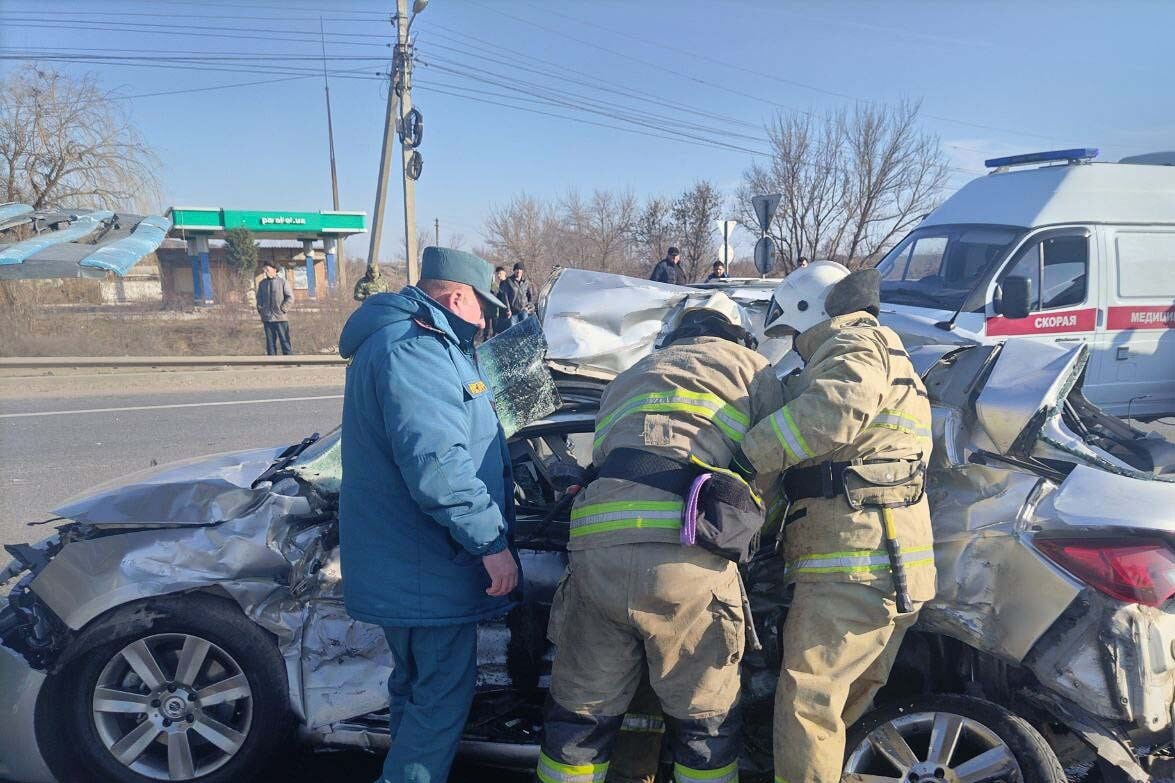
[1135, 570]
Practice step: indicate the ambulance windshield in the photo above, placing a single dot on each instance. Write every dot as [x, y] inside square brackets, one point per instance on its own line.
[938, 266]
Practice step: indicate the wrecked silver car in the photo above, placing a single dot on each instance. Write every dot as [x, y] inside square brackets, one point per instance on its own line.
[187, 621]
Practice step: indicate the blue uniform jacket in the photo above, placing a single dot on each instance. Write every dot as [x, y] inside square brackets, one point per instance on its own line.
[426, 469]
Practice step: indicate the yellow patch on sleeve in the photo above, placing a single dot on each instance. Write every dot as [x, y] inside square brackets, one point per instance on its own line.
[476, 387]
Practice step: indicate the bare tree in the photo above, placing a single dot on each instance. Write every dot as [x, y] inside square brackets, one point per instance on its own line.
[598, 228]
[695, 214]
[66, 141]
[522, 230]
[652, 231]
[851, 181]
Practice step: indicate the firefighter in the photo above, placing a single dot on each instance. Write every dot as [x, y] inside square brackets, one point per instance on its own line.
[854, 438]
[635, 601]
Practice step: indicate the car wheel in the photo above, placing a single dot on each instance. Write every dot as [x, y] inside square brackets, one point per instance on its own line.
[949, 739]
[195, 691]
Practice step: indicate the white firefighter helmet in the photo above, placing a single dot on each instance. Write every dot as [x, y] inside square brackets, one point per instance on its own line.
[797, 303]
[713, 315]
[719, 304]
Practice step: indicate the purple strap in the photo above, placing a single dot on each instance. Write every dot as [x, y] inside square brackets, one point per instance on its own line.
[689, 521]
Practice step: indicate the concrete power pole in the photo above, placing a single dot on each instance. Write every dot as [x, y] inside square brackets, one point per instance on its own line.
[404, 53]
[334, 176]
[399, 108]
[385, 157]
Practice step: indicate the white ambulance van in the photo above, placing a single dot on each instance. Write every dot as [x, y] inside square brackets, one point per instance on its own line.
[1070, 251]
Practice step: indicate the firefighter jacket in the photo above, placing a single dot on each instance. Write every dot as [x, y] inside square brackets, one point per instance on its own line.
[697, 396]
[857, 400]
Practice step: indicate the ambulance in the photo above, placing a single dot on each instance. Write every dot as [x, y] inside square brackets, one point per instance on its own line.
[1056, 248]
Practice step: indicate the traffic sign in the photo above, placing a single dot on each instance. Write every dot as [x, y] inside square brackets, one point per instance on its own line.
[765, 209]
[726, 253]
[765, 255]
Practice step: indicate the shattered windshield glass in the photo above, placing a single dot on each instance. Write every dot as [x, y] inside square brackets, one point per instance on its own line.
[512, 364]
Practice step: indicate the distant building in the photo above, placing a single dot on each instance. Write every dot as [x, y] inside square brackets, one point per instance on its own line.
[192, 268]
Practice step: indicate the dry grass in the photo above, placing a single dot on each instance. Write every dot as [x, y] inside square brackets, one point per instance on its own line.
[234, 331]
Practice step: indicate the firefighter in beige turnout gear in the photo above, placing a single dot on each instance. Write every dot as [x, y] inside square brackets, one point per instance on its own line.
[854, 438]
[634, 599]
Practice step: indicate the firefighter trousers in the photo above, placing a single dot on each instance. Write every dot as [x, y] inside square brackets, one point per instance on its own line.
[669, 611]
[840, 640]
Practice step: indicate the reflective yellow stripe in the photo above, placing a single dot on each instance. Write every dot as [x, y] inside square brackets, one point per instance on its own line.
[551, 771]
[626, 515]
[860, 561]
[727, 774]
[626, 505]
[789, 435]
[733, 422]
[891, 419]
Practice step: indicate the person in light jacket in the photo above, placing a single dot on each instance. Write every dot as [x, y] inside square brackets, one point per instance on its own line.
[273, 303]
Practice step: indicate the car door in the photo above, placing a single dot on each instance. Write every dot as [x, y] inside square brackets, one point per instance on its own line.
[1059, 265]
[1133, 371]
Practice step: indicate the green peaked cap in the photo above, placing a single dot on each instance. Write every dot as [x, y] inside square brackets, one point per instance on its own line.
[445, 263]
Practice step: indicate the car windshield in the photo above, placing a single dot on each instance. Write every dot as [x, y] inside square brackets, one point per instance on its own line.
[939, 266]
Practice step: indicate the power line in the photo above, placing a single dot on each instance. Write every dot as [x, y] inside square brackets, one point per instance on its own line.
[583, 101]
[776, 77]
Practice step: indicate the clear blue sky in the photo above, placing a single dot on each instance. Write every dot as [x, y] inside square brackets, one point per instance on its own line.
[994, 77]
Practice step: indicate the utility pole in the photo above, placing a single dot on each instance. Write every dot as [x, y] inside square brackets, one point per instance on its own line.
[436, 224]
[385, 157]
[399, 107]
[330, 136]
[404, 69]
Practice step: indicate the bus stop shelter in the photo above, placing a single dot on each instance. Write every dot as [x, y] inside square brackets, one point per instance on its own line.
[197, 225]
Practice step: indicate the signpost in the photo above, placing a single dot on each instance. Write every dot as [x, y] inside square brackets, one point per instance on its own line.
[726, 252]
[765, 255]
[765, 207]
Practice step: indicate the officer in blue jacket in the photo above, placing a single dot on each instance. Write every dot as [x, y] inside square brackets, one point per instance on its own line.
[426, 508]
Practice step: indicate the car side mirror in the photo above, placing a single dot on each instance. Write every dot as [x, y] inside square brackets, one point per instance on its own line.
[1015, 297]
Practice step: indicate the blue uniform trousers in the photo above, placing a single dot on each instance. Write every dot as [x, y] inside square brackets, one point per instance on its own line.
[431, 687]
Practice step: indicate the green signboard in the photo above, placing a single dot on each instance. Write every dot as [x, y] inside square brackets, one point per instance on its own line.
[286, 223]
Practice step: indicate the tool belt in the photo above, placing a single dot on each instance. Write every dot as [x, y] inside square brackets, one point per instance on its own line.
[880, 485]
[869, 484]
[728, 515]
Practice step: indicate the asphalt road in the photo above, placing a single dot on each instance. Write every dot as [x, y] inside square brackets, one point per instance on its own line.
[52, 449]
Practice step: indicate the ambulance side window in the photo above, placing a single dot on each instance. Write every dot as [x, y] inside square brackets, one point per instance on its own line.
[1058, 269]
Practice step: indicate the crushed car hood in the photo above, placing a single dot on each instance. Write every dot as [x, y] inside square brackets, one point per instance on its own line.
[200, 491]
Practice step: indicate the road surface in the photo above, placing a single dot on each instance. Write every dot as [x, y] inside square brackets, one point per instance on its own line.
[54, 448]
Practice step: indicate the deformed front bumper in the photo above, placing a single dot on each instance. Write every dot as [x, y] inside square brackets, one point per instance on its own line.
[20, 684]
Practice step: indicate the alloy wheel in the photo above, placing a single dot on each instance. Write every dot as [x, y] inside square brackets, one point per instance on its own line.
[933, 747]
[172, 706]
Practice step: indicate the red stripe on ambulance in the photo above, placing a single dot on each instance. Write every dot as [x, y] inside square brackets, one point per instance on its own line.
[1044, 323]
[1150, 317]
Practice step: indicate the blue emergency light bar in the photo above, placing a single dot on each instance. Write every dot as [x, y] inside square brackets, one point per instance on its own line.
[1050, 156]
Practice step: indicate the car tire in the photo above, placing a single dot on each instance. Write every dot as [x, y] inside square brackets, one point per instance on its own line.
[233, 713]
[1015, 751]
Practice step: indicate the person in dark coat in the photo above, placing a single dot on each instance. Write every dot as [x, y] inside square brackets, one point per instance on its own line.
[273, 303]
[668, 269]
[518, 295]
[717, 272]
[426, 503]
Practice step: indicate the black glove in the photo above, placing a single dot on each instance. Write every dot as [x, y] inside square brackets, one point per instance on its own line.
[741, 465]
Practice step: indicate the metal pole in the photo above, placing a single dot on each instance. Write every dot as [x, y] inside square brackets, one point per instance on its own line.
[341, 274]
[404, 70]
[385, 157]
[436, 224]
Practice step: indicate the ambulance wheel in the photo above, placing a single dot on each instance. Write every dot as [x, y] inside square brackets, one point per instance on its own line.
[949, 739]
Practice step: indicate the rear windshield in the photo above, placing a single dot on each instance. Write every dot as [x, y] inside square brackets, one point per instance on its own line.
[938, 266]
